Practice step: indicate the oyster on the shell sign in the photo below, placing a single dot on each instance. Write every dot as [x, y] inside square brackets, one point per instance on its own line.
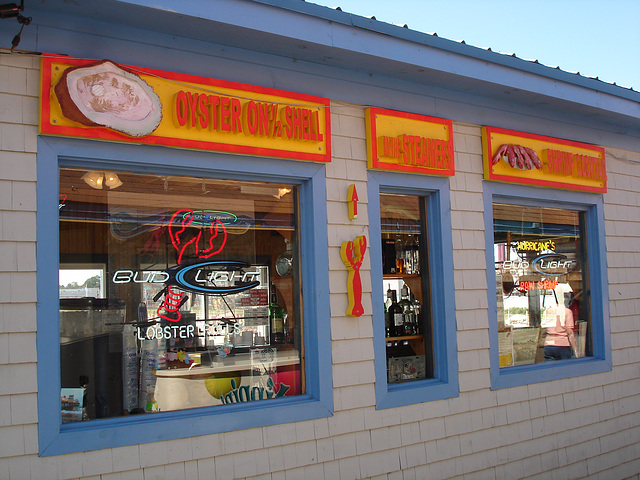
[107, 101]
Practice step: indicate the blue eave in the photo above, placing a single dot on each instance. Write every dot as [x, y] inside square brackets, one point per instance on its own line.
[342, 44]
[432, 40]
[324, 20]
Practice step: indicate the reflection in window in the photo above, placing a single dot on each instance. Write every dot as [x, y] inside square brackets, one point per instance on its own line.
[77, 281]
[541, 284]
[192, 310]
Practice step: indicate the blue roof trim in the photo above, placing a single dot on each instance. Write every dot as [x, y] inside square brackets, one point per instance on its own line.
[432, 40]
[248, 15]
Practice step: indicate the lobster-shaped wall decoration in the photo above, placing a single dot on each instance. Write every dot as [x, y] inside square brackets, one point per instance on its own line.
[352, 253]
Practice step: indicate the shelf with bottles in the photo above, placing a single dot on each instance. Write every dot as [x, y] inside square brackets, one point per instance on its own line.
[401, 253]
[402, 275]
[413, 282]
[404, 337]
[403, 319]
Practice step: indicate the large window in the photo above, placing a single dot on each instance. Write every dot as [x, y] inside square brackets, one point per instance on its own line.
[547, 271]
[414, 318]
[201, 304]
[541, 284]
[188, 301]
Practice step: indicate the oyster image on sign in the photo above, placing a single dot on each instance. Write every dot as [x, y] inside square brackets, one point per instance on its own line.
[103, 94]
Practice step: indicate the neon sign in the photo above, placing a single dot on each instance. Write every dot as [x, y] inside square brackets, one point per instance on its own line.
[168, 332]
[206, 217]
[549, 264]
[536, 246]
[181, 238]
[144, 276]
[552, 264]
[203, 277]
[528, 285]
[203, 274]
[172, 302]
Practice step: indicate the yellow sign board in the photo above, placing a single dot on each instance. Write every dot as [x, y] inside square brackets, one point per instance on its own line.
[526, 158]
[107, 101]
[407, 142]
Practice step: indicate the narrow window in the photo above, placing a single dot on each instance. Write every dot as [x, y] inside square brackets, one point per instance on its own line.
[407, 305]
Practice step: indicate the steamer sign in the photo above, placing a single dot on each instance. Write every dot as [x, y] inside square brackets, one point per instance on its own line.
[108, 101]
[408, 142]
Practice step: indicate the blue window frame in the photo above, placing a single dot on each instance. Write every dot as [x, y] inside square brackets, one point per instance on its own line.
[428, 199]
[315, 401]
[579, 244]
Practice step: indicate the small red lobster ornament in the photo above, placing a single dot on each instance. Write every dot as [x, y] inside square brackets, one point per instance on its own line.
[352, 253]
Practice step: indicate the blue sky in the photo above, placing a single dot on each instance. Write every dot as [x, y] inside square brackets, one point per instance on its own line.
[594, 37]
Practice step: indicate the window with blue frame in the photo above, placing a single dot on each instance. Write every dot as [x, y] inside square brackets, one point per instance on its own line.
[414, 316]
[180, 301]
[547, 254]
[200, 304]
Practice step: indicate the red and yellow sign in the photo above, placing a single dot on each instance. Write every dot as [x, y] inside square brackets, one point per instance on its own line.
[106, 101]
[407, 142]
[526, 158]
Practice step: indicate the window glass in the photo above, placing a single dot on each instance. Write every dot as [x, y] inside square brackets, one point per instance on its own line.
[408, 333]
[541, 284]
[77, 281]
[176, 292]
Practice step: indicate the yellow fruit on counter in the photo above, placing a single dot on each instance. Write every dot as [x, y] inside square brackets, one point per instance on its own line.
[220, 384]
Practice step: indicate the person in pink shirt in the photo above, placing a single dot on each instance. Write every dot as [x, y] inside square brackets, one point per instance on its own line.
[560, 342]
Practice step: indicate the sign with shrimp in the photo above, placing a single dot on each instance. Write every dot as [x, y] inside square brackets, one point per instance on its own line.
[511, 156]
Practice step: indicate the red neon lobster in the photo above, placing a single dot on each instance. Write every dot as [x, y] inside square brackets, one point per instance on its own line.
[182, 219]
[178, 232]
[171, 303]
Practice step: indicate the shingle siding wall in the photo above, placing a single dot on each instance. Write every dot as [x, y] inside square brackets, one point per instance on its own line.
[583, 427]
[18, 397]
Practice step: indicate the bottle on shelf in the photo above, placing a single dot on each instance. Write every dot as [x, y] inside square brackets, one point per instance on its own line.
[276, 318]
[417, 309]
[388, 255]
[394, 317]
[408, 312]
[400, 265]
[387, 304]
[412, 256]
[389, 299]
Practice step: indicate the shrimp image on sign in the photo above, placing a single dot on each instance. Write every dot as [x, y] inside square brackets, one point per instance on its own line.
[517, 156]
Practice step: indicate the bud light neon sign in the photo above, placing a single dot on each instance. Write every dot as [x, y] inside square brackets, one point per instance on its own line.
[207, 277]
